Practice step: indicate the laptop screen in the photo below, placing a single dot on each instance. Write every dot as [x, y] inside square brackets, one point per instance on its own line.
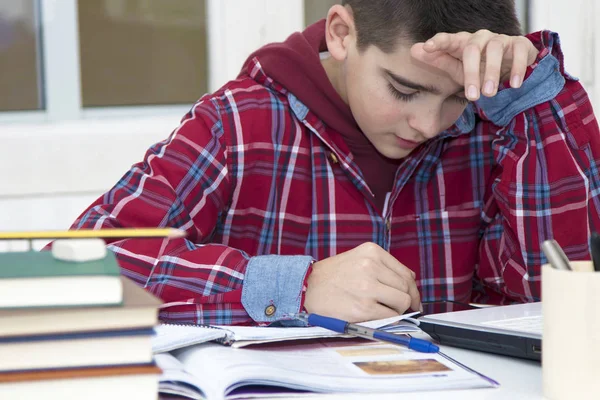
[522, 319]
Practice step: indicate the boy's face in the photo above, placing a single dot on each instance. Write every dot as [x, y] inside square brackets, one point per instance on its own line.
[397, 101]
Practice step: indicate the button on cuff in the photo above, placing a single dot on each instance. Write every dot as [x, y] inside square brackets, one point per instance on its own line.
[270, 310]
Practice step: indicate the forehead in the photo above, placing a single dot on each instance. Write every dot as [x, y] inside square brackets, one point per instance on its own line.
[401, 63]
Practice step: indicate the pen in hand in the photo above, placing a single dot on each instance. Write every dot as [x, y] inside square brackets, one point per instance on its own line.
[341, 326]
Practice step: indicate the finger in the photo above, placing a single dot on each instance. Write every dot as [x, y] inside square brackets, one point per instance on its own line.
[441, 41]
[440, 60]
[393, 299]
[390, 278]
[407, 275]
[471, 63]
[452, 43]
[376, 256]
[415, 297]
[375, 311]
[380, 311]
[400, 284]
[520, 62]
[493, 64]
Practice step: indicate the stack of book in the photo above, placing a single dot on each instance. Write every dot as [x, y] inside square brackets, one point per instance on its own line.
[74, 330]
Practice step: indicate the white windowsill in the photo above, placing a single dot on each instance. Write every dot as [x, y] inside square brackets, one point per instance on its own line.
[86, 155]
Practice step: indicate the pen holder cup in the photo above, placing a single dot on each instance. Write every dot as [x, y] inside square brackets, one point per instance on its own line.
[571, 336]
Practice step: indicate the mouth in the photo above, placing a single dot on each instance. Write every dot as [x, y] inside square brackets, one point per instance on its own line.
[407, 144]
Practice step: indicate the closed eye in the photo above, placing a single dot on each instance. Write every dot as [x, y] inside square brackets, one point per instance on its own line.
[401, 96]
[408, 97]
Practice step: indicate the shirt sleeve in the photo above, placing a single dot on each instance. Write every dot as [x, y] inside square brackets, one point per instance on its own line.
[183, 182]
[545, 183]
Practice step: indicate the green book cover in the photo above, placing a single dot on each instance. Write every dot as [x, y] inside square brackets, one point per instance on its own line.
[37, 264]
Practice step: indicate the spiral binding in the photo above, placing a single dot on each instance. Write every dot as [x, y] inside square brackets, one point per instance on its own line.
[226, 340]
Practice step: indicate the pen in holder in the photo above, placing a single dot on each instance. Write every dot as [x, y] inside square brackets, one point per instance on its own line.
[571, 336]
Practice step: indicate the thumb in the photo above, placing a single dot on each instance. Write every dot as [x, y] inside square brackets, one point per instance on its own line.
[440, 60]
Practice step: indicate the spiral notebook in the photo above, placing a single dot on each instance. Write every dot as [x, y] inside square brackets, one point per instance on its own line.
[175, 336]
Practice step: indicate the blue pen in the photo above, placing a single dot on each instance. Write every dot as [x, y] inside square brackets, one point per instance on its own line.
[338, 325]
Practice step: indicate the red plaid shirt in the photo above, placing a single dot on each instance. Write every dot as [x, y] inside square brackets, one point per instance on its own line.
[251, 172]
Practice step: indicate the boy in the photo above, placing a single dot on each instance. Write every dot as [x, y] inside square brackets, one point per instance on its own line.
[396, 152]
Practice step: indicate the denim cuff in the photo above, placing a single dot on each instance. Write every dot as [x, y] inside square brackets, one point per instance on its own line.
[273, 286]
[544, 83]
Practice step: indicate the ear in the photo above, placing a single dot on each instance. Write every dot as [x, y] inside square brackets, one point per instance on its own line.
[340, 32]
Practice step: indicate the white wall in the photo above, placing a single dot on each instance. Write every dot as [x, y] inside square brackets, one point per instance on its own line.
[578, 24]
[243, 26]
[50, 171]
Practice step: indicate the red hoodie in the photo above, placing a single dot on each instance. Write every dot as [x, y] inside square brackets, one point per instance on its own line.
[296, 65]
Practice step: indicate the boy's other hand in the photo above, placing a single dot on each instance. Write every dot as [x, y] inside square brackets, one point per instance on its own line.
[479, 60]
[361, 284]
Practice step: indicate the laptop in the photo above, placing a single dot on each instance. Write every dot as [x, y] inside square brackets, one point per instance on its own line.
[513, 330]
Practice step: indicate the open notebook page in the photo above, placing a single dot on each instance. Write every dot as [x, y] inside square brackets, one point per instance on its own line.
[170, 336]
[244, 335]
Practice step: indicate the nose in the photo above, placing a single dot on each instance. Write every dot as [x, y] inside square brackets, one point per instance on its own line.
[426, 123]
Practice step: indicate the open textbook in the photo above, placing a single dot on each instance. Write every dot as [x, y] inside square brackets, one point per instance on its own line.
[212, 371]
[171, 336]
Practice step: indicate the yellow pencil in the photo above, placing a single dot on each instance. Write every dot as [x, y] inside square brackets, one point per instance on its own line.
[170, 233]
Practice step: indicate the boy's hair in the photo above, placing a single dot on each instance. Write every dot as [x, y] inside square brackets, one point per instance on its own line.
[384, 23]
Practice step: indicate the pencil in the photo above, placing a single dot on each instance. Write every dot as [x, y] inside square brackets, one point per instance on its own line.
[170, 233]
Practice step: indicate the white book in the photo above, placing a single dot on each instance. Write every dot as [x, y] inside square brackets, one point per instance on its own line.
[138, 382]
[139, 310]
[76, 350]
[335, 365]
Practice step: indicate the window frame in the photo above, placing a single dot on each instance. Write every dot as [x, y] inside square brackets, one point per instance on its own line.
[58, 43]
[257, 22]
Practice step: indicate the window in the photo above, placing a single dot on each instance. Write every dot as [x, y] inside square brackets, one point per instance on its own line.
[64, 57]
[315, 10]
[140, 52]
[523, 8]
[20, 78]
